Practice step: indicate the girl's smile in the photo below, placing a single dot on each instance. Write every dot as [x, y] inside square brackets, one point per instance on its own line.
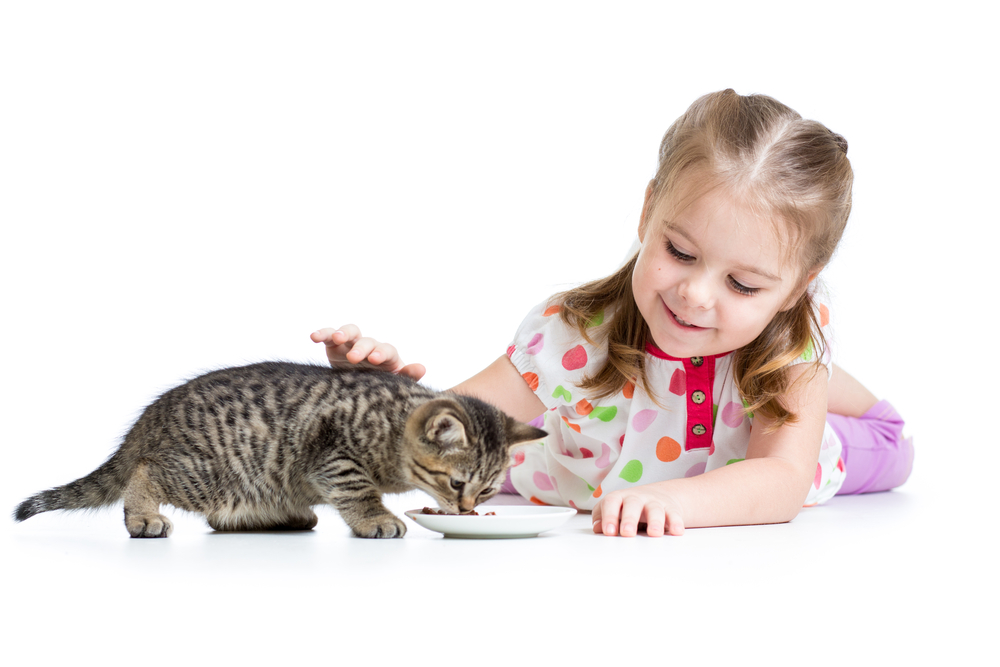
[710, 277]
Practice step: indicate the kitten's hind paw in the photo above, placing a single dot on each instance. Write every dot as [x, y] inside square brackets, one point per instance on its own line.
[379, 527]
[148, 525]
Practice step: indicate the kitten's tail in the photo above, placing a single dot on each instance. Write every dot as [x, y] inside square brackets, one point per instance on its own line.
[102, 487]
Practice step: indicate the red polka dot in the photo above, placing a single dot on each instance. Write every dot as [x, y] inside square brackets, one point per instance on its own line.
[824, 315]
[678, 382]
[575, 358]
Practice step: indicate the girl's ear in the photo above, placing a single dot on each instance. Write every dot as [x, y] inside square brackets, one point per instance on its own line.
[797, 293]
[647, 209]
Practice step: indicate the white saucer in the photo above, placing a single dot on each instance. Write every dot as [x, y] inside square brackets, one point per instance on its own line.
[510, 521]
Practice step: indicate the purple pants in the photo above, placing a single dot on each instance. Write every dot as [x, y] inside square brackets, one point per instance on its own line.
[876, 456]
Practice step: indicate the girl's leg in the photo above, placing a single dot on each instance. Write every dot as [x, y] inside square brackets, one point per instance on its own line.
[875, 454]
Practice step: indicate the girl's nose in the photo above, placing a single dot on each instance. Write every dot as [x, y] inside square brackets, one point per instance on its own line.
[696, 290]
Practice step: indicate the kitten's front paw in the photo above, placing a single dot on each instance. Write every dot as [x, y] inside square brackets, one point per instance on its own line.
[378, 527]
[148, 525]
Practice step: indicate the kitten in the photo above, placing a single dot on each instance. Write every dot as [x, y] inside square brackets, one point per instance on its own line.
[253, 448]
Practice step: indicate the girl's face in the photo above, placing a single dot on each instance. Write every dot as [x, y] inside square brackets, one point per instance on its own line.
[711, 277]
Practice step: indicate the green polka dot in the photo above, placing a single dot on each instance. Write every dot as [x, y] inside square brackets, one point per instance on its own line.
[604, 414]
[563, 393]
[733, 461]
[715, 411]
[592, 489]
[632, 471]
[745, 406]
[808, 354]
[597, 320]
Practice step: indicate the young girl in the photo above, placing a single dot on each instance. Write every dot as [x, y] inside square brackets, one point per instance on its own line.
[694, 387]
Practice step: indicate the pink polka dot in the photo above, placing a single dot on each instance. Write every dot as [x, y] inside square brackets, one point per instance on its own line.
[696, 469]
[518, 458]
[542, 481]
[604, 460]
[678, 382]
[575, 358]
[536, 344]
[732, 414]
[643, 419]
[819, 476]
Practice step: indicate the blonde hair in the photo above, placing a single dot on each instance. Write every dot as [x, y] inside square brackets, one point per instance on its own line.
[785, 168]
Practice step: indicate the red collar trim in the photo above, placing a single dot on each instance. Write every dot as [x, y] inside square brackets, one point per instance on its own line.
[657, 352]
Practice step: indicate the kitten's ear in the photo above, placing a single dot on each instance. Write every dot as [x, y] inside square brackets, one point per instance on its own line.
[519, 433]
[438, 422]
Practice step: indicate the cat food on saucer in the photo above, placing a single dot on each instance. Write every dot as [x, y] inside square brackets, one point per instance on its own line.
[434, 510]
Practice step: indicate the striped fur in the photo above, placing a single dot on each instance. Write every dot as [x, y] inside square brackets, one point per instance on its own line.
[255, 447]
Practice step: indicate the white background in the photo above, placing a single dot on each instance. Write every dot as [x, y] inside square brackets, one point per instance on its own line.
[191, 185]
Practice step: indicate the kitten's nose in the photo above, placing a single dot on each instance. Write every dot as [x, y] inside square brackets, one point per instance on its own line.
[466, 504]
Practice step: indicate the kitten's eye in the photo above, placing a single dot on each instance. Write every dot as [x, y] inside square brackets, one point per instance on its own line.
[457, 485]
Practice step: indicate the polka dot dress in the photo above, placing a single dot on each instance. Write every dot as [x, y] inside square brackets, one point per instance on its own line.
[597, 446]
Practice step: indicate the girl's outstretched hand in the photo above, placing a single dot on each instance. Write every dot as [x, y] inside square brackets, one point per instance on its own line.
[347, 344]
[622, 512]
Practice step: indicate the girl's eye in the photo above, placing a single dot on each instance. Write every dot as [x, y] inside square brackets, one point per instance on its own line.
[741, 288]
[677, 253]
[457, 485]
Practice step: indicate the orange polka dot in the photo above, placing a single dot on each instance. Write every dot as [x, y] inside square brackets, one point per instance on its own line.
[550, 311]
[532, 380]
[584, 408]
[668, 449]
[629, 389]
[537, 501]
[597, 491]
[824, 315]
[575, 427]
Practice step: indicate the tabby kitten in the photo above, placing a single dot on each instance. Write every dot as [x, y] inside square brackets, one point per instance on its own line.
[253, 448]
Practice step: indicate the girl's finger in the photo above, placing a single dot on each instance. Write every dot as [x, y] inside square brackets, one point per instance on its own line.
[609, 514]
[595, 516]
[322, 335]
[413, 371]
[631, 511]
[675, 524]
[656, 520]
[361, 349]
[346, 335]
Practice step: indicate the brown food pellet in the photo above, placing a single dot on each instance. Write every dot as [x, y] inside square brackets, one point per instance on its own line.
[434, 510]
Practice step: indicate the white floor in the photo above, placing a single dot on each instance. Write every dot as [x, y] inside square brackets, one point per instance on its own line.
[886, 578]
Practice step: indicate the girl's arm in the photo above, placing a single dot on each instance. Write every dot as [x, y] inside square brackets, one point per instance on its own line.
[768, 487]
[501, 384]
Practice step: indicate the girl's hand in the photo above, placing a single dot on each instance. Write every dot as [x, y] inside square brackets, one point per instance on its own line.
[622, 512]
[347, 344]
